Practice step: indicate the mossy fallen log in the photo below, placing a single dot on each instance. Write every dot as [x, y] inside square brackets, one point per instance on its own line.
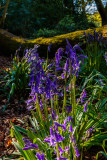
[9, 43]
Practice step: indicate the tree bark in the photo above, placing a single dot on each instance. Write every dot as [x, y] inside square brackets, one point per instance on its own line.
[102, 11]
[4, 14]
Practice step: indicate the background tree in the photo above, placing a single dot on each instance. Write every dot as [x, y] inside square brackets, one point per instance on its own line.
[102, 10]
[4, 14]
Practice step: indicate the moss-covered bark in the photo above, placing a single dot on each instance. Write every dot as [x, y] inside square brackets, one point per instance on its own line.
[9, 43]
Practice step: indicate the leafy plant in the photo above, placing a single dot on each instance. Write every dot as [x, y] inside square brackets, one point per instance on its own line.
[101, 152]
[65, 130]
[17, 79]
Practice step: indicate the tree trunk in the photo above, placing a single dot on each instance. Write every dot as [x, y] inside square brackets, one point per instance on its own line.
[4, 14]
[102, 11]
[83, 9]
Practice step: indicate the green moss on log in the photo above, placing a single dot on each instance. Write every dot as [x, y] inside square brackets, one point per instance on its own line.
[9, 43]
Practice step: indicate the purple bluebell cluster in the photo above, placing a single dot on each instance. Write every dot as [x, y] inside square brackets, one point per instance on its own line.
[29, 145]
[93, 37]
[73, 61]
[40, 81]
[46, 83]
[96, 37]
[68, 109]
[56, 138]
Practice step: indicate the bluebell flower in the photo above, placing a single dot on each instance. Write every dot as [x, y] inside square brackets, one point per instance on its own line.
[85, 107]
[52, 141]
[77, 47]
[65, 122]
[82, 56]
[47, 139]
[40, 156]
[83, 96]
[59, 125]
[41, 104]
[49, 47]
[35, 98]
[68, 109]
[58, 137]
[70, 119]
[70, 128]
[53, 114]
[66, 65]
[60, 151]
[89, 131]
[76, 152]
[29, 101]
[72, 138]
[29, 145]
[49, 66]
[51, 131]
[58, 56]
[30, 107]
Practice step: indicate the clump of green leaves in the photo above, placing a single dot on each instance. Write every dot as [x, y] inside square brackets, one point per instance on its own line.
[17, 79]
[104, 153]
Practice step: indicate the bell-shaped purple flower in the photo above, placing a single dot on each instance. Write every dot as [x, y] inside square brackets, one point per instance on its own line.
[58, 137]
[40, 156]
[49, 47]
[53, 114]
[66, 65]
[68, 109]
[76, 152]
[59, 125]
[85, 107]
[70, 128]
[58, 56]
[77, 47]
[70, 119]
[83, 96]
[72, 138]
[29, 145]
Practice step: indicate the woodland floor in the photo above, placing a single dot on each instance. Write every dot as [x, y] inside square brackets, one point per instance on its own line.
[16, 111]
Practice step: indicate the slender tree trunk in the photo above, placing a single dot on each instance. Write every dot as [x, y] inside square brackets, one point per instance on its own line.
[102, 11]
[4, 14]
[83, 9]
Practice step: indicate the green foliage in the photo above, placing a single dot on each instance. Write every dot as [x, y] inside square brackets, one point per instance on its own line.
[37, 132]
[26, 17]
[17, 79]
[18, 76]
[104, 153]
[66, 24]
[43, 18]
[46, 33]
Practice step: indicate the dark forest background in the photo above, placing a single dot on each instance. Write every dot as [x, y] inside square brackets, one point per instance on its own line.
[47, 18]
